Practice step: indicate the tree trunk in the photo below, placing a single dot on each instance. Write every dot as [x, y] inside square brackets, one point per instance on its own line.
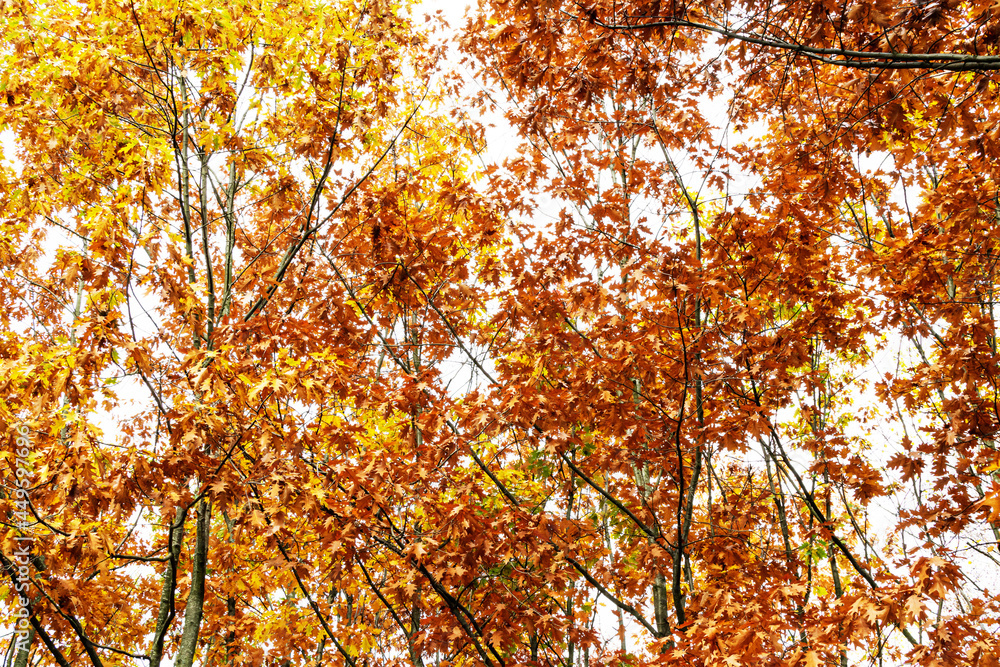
[196, 598]
[22, 651]
[166, 614]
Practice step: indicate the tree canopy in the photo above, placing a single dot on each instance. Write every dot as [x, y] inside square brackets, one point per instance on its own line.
[300, 366]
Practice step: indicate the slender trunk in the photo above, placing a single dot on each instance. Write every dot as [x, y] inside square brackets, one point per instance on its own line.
[230, 216]
[570, 645]
[779, 504]
[184, 174]
[196, 598]
[661, 605]
[838, 588]
[684, 524]
[660, 597]
[415, 657]
[209, 277]
[22, 650]
[569, 648]
[685, 510]
[166, 614]
[231, 647]
[621, 631]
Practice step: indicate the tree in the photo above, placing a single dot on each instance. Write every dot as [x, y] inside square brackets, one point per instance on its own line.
[292, 360]
[223, 221]
[731, 303]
